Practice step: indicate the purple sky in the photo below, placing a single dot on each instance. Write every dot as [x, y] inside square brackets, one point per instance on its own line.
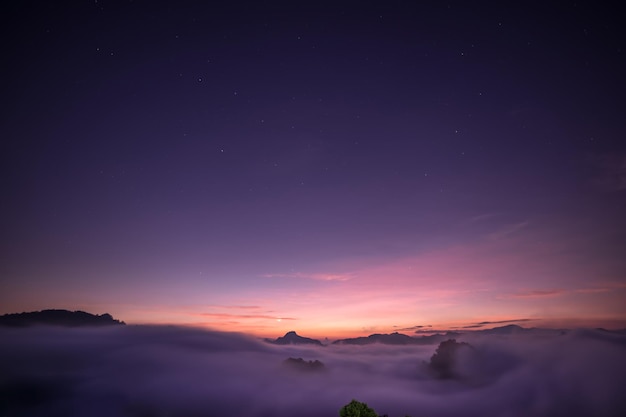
[334, 168]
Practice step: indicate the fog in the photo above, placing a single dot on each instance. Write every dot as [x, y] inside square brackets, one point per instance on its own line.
[147, 371]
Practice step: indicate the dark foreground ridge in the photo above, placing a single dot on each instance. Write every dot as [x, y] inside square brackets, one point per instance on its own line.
[58, 318]
[292, 338]
[300, 364]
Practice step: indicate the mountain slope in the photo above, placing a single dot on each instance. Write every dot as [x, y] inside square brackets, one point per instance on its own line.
[292, 338]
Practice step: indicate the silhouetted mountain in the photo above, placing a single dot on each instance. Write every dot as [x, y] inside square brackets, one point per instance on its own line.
[387, 339]
[508, 329]
[617, 331]
[402, 339]
[396, 339]
[300, 364]
[292, 338]
[513, 329]
[58, 318]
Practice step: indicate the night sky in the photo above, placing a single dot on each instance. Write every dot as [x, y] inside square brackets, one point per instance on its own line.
[333, 168]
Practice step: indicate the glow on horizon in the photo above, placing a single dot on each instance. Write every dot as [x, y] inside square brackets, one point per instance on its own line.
[504, 276]
[272, 328]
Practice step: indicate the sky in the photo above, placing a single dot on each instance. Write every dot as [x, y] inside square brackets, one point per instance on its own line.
[339, 168]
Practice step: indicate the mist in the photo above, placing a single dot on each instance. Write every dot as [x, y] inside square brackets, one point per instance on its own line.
[144, 371]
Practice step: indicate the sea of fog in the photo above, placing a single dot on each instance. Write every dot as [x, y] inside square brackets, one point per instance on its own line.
[146, 371]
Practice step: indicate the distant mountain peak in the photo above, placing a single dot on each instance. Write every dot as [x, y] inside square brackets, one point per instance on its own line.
[292, 338]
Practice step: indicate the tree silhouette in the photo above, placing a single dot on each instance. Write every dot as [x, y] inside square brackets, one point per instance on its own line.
[357, 409]
[444, 361]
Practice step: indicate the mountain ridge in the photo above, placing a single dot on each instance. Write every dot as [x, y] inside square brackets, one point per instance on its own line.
[396, 338]
[58, 317]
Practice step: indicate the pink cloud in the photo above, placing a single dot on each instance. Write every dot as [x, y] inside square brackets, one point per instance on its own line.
[536, 294]
[242, 316]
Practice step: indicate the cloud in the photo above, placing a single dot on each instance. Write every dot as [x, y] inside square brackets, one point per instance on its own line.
[431, 331]
[485, 323]
[505, 321]
[508, 230]
[560, 292]
[592, 290]
[148, 371]
[243, 316]
[314, 276]
[610, 175]
[610, 286]
[406, 329]
[482, 217]
[537, 294]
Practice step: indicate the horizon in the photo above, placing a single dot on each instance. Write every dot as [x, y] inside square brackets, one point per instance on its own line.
[320, 334]
[414, 331]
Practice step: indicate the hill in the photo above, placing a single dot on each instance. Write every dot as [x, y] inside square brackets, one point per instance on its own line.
[292, 338]
[58, 318]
